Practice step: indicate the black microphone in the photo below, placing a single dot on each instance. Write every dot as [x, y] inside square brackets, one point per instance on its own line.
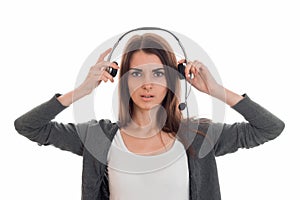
[181, 106]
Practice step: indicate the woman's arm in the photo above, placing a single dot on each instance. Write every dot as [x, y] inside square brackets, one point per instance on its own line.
[37, 124]
[261, 127]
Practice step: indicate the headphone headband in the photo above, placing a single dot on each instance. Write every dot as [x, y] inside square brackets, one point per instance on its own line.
[142, 29]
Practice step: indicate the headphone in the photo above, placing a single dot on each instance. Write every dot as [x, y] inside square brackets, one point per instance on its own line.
[180, 67]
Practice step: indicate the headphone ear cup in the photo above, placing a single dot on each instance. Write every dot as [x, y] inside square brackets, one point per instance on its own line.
[112, 71]
[181, 69]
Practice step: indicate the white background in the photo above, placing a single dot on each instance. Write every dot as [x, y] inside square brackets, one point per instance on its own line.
[254, 44]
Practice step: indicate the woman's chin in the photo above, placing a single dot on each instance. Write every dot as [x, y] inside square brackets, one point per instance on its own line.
[148, 107]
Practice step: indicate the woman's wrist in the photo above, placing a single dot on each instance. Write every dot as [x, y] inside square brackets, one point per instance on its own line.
[225, 95]
[66, 99]
[232, 98]
[72, 96]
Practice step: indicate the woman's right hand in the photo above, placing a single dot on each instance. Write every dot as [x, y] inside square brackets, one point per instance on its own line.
[97, 74]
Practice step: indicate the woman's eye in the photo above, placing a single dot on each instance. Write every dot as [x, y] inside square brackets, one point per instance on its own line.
[158, 74]
[136, 74]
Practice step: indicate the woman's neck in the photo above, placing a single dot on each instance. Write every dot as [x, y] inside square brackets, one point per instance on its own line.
[143, 119]
[144, 123]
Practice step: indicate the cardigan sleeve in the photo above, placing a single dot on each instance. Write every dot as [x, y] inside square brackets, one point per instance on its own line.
[261, 126]
[37, 126]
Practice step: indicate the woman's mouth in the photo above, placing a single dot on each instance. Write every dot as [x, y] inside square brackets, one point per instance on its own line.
[147, 97]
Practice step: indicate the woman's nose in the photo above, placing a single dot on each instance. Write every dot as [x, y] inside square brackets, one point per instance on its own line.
[147, 82]
[147, 85]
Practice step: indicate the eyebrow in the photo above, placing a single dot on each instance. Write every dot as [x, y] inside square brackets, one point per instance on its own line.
[158, 69]
[136, 69]
[140, 70]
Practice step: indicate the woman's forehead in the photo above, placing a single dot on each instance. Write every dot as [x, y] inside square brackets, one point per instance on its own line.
[141, 58]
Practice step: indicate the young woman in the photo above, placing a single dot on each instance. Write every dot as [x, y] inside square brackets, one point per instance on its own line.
[151, 152]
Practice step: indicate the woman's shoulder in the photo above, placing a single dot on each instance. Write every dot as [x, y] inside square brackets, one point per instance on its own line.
[197, 123]
[195, 128]
[101, 122]
[105, 126]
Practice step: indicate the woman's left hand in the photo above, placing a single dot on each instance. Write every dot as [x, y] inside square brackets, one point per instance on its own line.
[204, 81]
[202, 78]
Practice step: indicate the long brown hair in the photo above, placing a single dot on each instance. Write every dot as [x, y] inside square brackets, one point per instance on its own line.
[151, 43]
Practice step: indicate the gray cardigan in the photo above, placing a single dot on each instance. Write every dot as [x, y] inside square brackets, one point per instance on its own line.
[92, 140]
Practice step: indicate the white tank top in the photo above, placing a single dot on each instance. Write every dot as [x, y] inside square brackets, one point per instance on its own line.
[136, 177]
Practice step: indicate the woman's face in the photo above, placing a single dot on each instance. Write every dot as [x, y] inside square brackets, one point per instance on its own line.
[146, 81]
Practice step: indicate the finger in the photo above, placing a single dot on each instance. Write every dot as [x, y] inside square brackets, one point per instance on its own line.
[194, 71]
[105, 76]
[103, 55]
[109, 77]
[191, 75]
[198, 67]
[198, 76]
[114, 65]
[103, 68]
[181, 61]
[102, 65]
[203, 71]
[188, 69]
